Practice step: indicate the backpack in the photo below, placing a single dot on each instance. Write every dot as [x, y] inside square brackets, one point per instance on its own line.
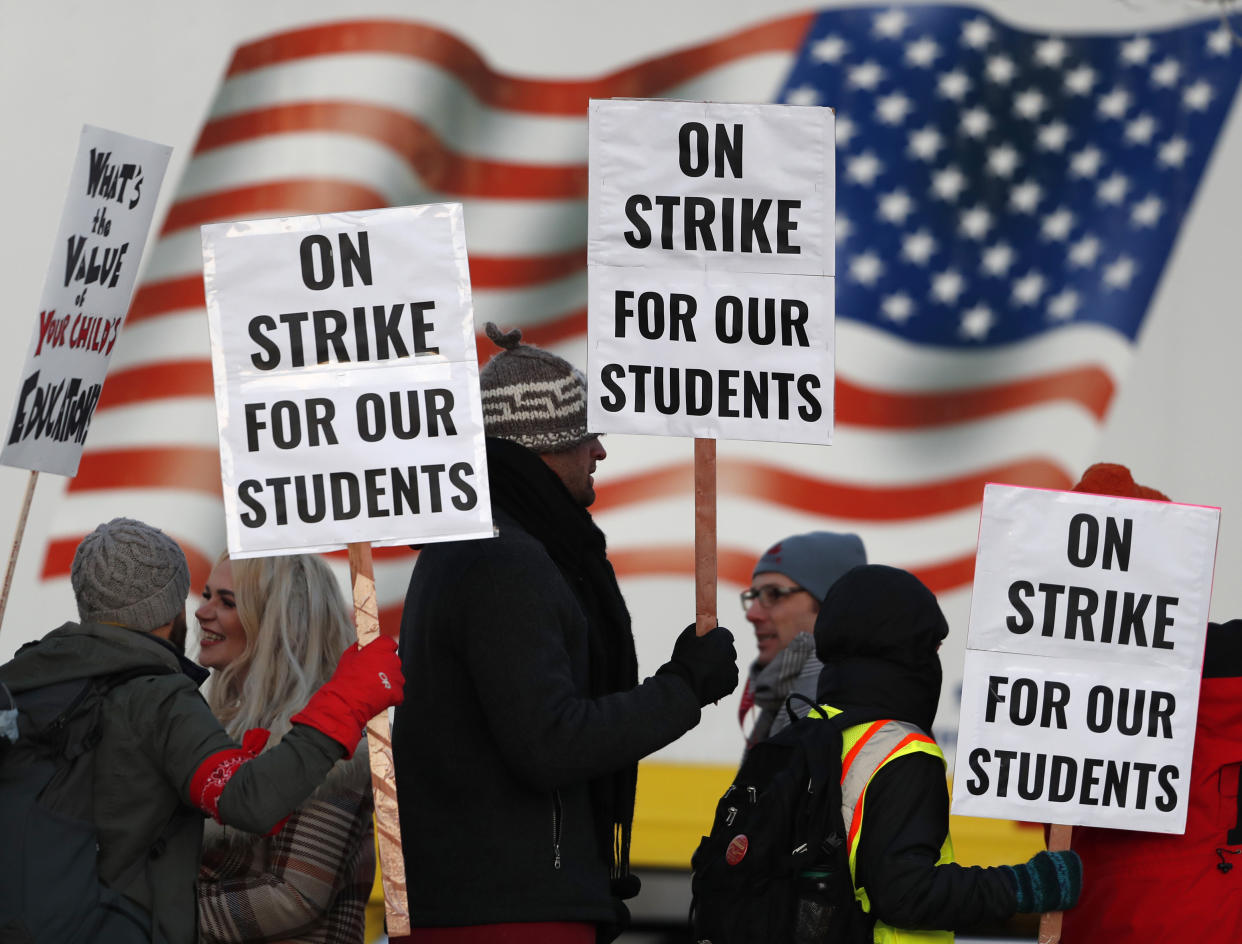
[50, 888]
[775, 867]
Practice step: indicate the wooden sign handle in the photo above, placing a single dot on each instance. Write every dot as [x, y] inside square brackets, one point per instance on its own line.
[17, 542]
[1050, 921]
[704, 535]
[379, 746]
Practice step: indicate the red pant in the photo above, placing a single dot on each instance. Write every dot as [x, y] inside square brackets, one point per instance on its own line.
[518, 932]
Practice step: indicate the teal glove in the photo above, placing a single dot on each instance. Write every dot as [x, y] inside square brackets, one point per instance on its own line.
[1050, 881]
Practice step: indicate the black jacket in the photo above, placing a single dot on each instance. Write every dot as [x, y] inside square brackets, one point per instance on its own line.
[500, 748]
[877, 634]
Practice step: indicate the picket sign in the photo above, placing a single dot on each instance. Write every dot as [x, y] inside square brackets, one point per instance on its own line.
[704, 535]
[379, 748]
[1050, 921]
[1083, 662]
[347, 399]
[17, 541]
[113, 188]
[710, 282]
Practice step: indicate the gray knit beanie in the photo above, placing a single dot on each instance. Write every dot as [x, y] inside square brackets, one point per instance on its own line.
[531, 396]
[129, 574]
[814, 560]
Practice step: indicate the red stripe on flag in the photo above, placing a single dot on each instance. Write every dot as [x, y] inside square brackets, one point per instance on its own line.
[439, 167]
[193, 468]
[193, 378]
[519, 271]
[279, 198]
[534, 96]
[160, 381]
[858, 405]
[866, 406]
[388, 554]
[734, 566]
[158, 298]
[390, 618]
[792, 490]
[947, 575]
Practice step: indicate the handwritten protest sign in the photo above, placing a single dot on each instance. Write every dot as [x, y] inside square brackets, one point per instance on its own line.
[346, 380]
[112, 194]
[711, 270]
[1083, 659]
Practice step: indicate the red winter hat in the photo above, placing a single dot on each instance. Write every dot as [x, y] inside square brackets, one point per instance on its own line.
[1109, 478]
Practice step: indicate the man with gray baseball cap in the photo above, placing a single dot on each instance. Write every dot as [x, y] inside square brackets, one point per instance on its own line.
[787, 586]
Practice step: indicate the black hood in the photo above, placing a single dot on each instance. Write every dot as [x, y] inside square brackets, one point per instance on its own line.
[877, 633]
[1222, 653]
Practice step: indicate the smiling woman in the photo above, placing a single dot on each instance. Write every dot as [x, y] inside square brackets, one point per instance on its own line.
[222, 638]
[271, 631]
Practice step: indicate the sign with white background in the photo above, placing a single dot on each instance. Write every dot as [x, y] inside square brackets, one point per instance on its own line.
[346, 379]
[1081, 680]
[103, 229]
[711, 265]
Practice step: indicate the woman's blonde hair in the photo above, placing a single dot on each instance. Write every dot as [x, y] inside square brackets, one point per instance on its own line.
[297, 625]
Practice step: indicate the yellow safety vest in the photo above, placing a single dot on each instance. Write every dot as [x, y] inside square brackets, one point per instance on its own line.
[866, 748]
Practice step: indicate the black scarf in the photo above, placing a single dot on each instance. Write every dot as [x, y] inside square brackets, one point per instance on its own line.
[532, 494]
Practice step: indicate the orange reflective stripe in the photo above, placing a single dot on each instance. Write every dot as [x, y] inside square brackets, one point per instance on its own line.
[904, 741]
[909, 740]
[848, 759]
[853, 833]
[856, 824]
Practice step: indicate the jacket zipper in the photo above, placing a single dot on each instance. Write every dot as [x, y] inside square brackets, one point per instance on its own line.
[556, 828]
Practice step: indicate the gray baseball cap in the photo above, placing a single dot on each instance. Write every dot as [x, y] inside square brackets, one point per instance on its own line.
[813, 560]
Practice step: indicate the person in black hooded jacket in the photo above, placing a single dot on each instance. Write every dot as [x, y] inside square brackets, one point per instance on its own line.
[878, 634]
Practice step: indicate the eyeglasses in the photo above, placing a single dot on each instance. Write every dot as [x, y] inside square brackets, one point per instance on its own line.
[768, 595]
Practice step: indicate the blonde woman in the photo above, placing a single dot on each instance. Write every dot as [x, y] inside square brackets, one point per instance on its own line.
[272, 630]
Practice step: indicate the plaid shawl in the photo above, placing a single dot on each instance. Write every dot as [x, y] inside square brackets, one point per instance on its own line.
[308, 883]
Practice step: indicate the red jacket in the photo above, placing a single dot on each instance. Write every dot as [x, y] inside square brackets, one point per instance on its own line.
[1155, 887]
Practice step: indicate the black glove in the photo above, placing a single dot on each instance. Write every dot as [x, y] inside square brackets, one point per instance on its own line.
[708, 663]
[1050, 881]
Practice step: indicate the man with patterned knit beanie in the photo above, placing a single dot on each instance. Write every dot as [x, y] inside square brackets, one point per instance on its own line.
[161, 761]
[517, 746]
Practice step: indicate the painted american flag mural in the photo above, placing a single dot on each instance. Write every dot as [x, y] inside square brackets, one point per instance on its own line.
[1006, 204]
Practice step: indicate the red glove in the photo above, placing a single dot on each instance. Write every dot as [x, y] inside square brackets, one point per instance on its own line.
[366, 682]
[215, 772]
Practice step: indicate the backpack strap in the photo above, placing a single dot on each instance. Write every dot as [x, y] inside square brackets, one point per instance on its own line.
[147, 862]
[102, 685]
[820, 764]
[789, 708]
